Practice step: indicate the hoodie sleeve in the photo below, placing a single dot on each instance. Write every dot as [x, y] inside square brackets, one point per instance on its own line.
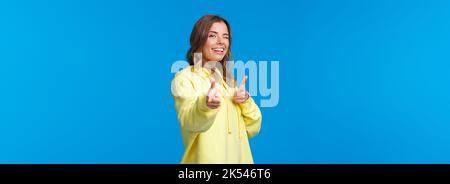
[193, 114]
[252, 117]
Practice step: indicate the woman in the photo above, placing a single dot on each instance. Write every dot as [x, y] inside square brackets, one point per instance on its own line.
[216, 118]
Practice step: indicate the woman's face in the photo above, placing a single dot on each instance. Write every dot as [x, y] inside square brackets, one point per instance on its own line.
[217, 43]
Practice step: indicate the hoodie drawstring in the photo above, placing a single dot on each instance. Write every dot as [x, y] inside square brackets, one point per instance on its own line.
[228, 121]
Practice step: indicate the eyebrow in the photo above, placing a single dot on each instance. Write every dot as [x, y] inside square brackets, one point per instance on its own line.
[218, 33]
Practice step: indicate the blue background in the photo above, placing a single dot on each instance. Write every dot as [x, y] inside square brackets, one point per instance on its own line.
[360, 81]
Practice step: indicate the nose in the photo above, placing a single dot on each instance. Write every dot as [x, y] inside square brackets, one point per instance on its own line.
[219, 40]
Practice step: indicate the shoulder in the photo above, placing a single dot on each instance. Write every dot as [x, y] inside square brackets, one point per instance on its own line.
[196, 78]
[185, 81]
[183, 75]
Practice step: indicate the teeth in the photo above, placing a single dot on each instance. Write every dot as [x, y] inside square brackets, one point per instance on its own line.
[218, 49]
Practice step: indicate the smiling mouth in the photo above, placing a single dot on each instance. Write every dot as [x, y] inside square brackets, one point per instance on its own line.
[219, 51]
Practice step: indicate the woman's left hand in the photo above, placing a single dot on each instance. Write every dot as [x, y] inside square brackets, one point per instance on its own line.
[241, 94]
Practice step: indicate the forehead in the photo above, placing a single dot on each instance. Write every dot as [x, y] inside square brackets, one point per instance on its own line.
[219, 27]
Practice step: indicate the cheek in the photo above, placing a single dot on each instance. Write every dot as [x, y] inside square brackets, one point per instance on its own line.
[227, 43]
[207, 46]
[206, 49]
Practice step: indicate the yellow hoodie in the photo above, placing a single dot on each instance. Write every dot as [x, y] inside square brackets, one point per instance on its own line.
[213, 136]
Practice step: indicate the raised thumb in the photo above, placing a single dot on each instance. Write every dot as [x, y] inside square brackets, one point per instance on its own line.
[213, 83]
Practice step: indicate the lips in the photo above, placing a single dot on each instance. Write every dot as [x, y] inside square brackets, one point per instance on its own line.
[219, 50]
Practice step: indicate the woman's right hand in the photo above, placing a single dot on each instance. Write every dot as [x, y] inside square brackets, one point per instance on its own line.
[213, 98]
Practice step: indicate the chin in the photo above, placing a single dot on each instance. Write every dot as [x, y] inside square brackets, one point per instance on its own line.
[218, 59]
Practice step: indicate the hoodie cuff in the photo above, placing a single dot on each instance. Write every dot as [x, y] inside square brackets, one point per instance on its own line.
[248, 103]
